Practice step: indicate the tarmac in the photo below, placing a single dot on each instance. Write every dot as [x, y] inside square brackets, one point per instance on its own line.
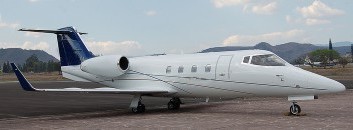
[42, 110]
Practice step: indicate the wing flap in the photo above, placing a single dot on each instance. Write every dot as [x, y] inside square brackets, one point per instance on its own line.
[28, 87]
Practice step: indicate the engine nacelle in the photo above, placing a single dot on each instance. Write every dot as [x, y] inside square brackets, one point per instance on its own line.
[106, 66]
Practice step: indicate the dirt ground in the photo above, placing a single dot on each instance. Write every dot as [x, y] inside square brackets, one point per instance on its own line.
[333, 111]
[53, 76]
[337, 72]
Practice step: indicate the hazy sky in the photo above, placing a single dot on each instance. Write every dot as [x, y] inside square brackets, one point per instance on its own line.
[138, 27]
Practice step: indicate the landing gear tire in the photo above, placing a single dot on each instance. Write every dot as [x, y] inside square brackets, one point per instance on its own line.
[174, 104]
[139, 109]
[295, 109]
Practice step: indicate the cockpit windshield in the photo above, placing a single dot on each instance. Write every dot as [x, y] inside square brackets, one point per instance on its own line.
[267, 60]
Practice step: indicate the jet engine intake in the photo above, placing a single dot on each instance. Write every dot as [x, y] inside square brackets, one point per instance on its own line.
[106, 66]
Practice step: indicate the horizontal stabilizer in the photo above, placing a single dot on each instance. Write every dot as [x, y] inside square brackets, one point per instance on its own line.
[28, 87]
[49, 31]
[72, 49]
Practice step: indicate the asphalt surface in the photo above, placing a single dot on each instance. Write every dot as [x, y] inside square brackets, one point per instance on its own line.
[18, 103]
[33, 110]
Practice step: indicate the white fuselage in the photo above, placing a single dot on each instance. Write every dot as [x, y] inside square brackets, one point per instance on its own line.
[219, 74]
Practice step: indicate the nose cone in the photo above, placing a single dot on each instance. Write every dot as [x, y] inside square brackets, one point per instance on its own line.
[336, 86]
[322, 82]
[317, 83]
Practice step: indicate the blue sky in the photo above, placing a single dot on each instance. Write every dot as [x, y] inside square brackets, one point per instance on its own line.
[139, 27]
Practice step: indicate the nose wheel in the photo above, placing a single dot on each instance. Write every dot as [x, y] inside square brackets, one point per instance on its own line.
[294, 109]
[174, 104]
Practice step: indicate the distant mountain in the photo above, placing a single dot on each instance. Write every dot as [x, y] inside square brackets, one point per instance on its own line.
[288, 51]
[338, 44]
[19, 56]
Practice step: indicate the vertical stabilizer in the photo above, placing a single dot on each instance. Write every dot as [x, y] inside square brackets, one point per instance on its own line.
[71, 47]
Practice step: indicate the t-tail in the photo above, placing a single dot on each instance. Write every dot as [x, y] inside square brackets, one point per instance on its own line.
[71, 47]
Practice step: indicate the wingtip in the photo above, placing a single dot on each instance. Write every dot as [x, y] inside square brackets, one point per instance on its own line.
[14, 67]
[23, 81]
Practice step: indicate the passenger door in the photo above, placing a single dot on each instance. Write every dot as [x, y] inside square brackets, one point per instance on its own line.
[222, 68]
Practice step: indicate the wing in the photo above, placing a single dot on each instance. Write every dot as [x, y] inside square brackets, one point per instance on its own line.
[28, 87]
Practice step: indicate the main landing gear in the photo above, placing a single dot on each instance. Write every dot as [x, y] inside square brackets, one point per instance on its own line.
[294, 109]
[138, 107]
[174, 103]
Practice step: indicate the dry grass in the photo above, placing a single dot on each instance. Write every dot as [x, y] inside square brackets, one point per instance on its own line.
[53, 76]
[336, 72]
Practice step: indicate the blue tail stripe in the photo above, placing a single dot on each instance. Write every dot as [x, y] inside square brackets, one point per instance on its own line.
[71, 48]
[23, 81]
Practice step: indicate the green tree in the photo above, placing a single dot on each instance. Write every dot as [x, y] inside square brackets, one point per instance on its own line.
[57, 67]
[31, 63]
[330, 44]
[40, 67]
[4, 68]
[51, 66]
[24, 67]
[323, 56]
[9, 67]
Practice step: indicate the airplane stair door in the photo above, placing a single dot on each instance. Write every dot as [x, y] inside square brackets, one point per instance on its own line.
[222, 68]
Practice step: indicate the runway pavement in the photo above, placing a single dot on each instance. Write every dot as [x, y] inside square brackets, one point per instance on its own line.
[32, 110]
[18, 103]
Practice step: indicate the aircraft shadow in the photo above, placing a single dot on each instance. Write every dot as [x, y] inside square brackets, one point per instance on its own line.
[192, 109]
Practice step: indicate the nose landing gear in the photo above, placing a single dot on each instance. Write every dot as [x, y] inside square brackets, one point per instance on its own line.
[294, 109]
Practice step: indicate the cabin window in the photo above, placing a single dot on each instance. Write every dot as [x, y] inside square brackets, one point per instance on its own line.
[181, 69]
[208, 68]
[194, 68]
[169, 69]
[246, 59]
[267, 60]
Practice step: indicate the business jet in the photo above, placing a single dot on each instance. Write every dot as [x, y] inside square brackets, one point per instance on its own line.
[244, 73]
